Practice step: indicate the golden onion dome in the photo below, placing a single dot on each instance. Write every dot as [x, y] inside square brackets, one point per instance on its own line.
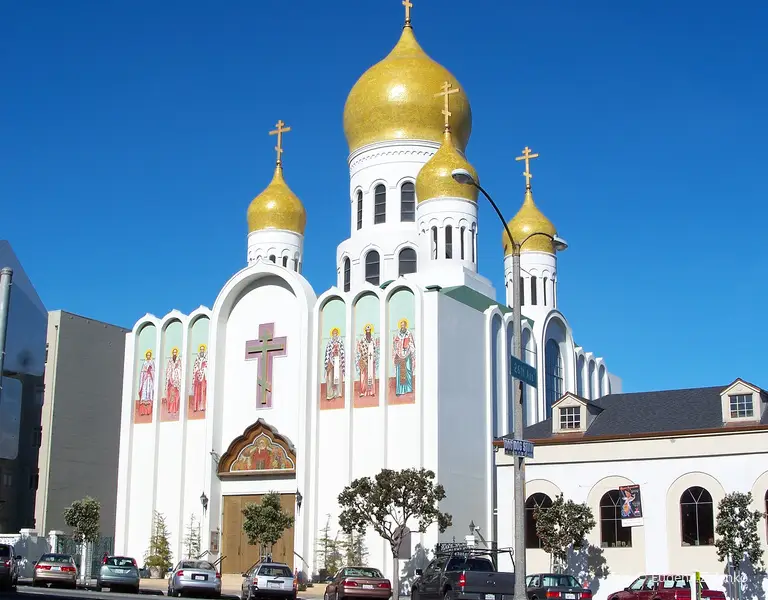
[524, 226]
[435, 179]
[277, 207]
[395, 99]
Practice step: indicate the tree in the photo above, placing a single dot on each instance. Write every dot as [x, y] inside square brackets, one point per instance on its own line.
[388, 503]
[328, 554]
[192, 539]
[265, 523]
[355, 552]
[561, 526]
[737, 530]
[83, 517]
[159, 554]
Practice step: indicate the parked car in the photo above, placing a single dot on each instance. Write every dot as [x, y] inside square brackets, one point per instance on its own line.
[56, 569]
[463, 571]
[9, 567]
[664, 587]
[358, 582]
[197, 577]
[541, 586]
[118, 572]
[269, 580]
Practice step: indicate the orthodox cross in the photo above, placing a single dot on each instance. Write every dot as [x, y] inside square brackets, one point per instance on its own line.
[447, 91]
[281, 129]
[527, 157]
[408, 5]
[265, 349]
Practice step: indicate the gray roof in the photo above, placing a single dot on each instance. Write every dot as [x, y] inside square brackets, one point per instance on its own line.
[651, 412]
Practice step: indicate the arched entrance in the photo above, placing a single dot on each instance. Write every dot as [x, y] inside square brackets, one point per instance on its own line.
[257, 462]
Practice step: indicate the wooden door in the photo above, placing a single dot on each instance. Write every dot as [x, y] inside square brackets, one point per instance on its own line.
[239, 555]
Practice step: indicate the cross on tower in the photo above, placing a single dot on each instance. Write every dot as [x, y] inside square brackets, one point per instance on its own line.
[281, 129]
[265, 349]
[408, 5]
[527, 157]
[447, 91]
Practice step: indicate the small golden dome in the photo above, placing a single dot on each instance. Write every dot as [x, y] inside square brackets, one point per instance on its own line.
[277, 207]
[435, 179]
[528, 221]
[395, 99]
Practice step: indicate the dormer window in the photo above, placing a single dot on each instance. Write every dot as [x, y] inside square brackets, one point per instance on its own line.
[741, 406]
[570, 417]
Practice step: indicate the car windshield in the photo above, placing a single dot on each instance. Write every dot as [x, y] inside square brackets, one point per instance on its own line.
[56, 558]
[119, 561]
[470, 564]
[203, 565]
[681, 583]
[5, 551]
[363, 572]
[559, 581]
[275, 571]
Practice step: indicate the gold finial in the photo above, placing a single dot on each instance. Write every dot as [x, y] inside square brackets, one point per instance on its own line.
[447, 91]
[408, 5]
[281, 129]
[527, 157]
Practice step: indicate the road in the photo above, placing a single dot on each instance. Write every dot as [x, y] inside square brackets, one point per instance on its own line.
[30, 593]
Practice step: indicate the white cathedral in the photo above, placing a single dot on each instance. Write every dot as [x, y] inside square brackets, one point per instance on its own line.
[404, 363]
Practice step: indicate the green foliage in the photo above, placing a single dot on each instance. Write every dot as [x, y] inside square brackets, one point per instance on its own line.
[737, 531]
[561, 526]
[355, 551]
[192, 539]
[159, 554]
[328, 554]
[83, 517]
[265, 523]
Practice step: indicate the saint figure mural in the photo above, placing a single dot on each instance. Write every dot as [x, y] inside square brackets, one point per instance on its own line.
[403, 353]
[261, 455]
[200, 380]
[334, 365]
[173, 383]
[147, 385]
[368, 361]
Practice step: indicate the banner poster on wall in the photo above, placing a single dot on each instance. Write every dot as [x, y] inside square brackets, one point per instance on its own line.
[631, 506]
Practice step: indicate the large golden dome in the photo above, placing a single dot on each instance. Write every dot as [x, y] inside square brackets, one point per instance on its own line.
[528, 222]
[277, 207]
[395, 99]
[435, 179]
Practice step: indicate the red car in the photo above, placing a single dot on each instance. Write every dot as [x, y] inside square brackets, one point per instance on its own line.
[664, 587]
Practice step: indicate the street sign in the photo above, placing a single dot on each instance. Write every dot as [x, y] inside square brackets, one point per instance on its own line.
[523, 371]
[522, 448]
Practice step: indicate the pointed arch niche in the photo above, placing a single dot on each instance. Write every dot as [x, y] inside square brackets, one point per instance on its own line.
[259, 451]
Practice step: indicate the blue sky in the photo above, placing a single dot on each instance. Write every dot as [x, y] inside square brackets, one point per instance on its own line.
[134, 135]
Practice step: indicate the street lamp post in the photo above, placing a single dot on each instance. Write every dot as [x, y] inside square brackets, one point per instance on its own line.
[463, 176]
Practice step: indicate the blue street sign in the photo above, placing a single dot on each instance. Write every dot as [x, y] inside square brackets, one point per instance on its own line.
[523, 371]
[518, 448]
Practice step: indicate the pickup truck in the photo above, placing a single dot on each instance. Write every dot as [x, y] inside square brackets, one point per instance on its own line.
[462, 575]
[664, 587]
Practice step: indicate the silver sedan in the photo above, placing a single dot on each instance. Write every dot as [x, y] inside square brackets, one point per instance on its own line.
[198, 577]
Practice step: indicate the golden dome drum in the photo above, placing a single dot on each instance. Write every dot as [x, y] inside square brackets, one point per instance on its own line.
[526, 226]
[277, 207]
[435, 179]
[395, 100]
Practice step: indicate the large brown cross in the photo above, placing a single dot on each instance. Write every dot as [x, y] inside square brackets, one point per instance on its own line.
[408, 5]
[265, 349]
[281, 129]
[446, 93]
[527, 157]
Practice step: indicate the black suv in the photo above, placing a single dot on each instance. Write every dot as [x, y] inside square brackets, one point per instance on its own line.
[9, 567]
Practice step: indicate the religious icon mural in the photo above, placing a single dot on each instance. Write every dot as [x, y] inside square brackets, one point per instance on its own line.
[263, 454]
[145, 374]
[367, 352]
[333, 359]
[264, 350]
[401, 384]
[197, 369]
[170, 390]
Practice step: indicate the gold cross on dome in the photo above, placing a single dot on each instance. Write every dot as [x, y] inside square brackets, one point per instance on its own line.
[447, 91]
[281, 129]
[527, 157]
[408, 5]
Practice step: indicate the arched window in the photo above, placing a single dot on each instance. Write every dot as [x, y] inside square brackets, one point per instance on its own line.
[406, 261]
[285, 261]
[533, 290]
[591, 380]
[553, 362]
[273, 258]
[359, 210]
[542, 502]
[372, 267]
[434, 243]
[545, 291]
[601, 381]
[472, 243]
[462, 232]
[522, 291]
[347, 273]
[380, 204]
[697, 517]
[612, 533]
[407, 202]
[580, 376]
[448, 241]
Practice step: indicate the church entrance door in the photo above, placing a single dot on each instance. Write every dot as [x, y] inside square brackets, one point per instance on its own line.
[238, 554]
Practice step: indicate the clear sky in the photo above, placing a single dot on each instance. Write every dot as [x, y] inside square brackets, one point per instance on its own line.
[134, 135]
